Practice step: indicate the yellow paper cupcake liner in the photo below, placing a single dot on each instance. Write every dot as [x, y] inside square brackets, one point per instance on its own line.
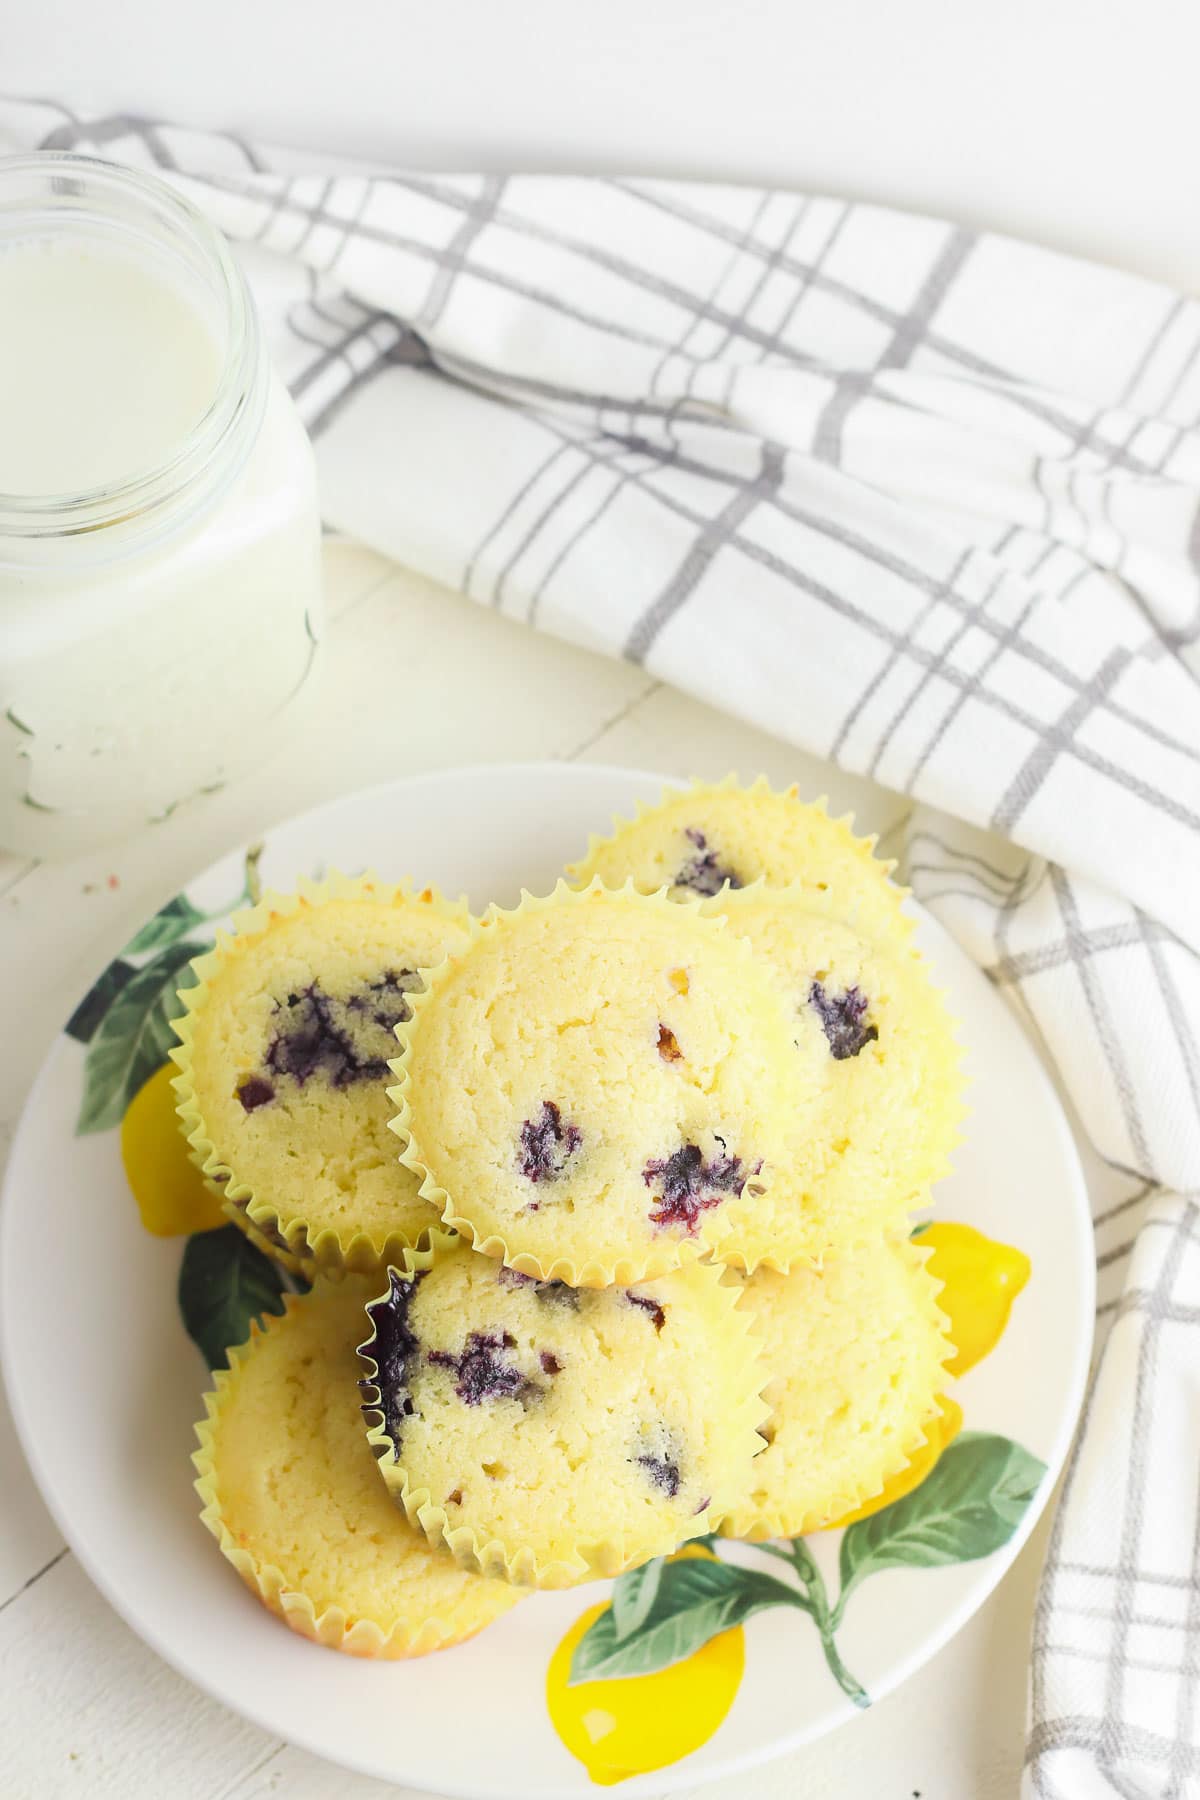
[291, 1241]
[755, 1522]
[290, 1253]
[332, 1626]
[741, 1371]
[882, 899]
[659, 1258]
[830, 1220]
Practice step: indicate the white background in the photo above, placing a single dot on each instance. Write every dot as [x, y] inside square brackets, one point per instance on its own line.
[1071, 121]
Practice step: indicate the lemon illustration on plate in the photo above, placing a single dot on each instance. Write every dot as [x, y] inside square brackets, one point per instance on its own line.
[940, 1431]
[640, 1723]
[168, 1187]
[635, 1724]
[980, 1280]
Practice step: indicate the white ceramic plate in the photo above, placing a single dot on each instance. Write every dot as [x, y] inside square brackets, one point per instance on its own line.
[105, 1385]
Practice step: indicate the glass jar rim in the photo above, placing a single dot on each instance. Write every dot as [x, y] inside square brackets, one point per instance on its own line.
[147, 491]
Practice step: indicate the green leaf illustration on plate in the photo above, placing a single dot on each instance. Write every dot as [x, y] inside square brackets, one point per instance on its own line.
[171, 922]
[133, 1037]
[633, 1596]
[694, 1600]
[124, 1018]
[224, 1283]
[89, 1014]
[968, 1506]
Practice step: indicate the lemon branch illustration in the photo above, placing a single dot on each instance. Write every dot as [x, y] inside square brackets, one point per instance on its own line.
[969, 1506]
[814, 1600]
[125, 1017]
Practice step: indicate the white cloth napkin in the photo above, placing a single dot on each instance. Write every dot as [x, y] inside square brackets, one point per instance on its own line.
[923, 501]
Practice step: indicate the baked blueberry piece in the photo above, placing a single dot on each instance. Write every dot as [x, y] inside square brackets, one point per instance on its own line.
[292, 1495]
[877, 1088]
[599, 1084]
[704, 839]
[284, 1068]
[552, 1434]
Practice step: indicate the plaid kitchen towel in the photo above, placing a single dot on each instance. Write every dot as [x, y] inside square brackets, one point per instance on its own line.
[924, 501]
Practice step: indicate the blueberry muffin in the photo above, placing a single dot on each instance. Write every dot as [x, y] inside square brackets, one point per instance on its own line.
[854, 1356]
[283, 1059]
[552, 1434]
[292, 1494]
[600, 1083]
[702, 839]
[878, 1083]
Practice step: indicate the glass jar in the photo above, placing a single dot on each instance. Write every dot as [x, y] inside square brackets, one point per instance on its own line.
[156, 621]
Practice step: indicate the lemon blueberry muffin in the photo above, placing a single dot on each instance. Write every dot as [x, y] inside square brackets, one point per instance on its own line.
[599, 1081]
[854, 1356]
[292, 1494]
[553, 1434]
[284, 1068]
[702, 839]
[877, 1078]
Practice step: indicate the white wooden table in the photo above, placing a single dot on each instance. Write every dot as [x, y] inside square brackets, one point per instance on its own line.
[416, 678]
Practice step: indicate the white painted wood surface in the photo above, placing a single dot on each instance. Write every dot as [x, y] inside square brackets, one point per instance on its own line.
[416, 678]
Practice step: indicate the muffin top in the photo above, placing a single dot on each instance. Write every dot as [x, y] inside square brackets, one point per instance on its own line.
[595, 1083]
[555, 1432]
[291, 1030]
[854, 1356]
[704, 838]
[877, 1079]
[294, 1483]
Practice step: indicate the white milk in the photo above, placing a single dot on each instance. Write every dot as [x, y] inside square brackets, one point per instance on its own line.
[151, 639]
[105, 367]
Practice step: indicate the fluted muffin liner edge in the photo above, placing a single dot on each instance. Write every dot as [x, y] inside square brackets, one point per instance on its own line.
[779, 1256]
[747, 1523]
[742, 1373]
[660, 1257]
[863, 848]
[292, 1242]
[332, 1627]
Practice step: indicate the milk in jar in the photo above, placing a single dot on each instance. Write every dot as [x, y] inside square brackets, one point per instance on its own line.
[160, 608]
